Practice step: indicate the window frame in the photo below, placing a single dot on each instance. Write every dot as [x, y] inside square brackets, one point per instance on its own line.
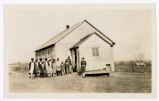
[95, 51]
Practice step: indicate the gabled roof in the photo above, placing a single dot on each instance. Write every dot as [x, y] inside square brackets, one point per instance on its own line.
[85, 38]
[59, 36]
[64, 33]
[81, 41]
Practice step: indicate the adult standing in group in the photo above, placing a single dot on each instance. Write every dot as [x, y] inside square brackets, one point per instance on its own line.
[31, 68]
[50, 68]
[36, 71]
[54, 68]
[40, 64]
[62, 65]
[83, 65]
[45, 65]
[68, 66]
[58, 68]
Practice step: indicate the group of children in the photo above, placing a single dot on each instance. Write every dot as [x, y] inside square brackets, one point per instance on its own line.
[49, 67]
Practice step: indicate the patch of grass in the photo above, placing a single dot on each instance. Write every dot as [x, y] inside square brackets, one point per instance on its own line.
[119, 83]
[130, 66]
[19, 67]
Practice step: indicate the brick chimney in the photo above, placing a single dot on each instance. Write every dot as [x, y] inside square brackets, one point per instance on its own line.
[67, 26]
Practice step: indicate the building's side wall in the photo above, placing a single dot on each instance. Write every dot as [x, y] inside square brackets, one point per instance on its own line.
[62, 47]
[46, 53]
[105, 53]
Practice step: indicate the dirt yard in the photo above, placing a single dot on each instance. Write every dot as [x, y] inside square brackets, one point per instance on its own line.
[119, 82]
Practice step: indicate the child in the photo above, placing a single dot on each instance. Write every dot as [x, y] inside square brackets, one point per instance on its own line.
[58, 68]
[62, 68]
[49, 71]
[31, 68]
[54, 68]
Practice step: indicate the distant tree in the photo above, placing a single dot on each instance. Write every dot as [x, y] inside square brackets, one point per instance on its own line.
[148, 63]
[140, 61]
[140, 58]
[121, 63]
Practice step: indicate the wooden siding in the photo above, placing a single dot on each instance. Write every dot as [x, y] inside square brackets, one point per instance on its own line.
[96, 62]
[62, 47]
[46, 53]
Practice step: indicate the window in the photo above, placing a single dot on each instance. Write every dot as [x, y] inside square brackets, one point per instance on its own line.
[48, 51]
[95, 51]
[40, 53]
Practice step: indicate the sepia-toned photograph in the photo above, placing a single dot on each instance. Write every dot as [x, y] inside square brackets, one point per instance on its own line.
[98, 48]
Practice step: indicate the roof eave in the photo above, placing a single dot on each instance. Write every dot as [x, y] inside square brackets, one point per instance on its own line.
[44, 48]
[100, 32]
[73, 47]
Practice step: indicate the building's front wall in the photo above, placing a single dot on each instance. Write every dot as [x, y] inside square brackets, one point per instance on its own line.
[105, 53]
[62, 47]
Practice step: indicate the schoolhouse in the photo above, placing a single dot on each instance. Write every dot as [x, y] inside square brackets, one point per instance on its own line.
[80, 40]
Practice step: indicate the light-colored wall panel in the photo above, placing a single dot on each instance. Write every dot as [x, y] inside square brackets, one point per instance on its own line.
[105, 53]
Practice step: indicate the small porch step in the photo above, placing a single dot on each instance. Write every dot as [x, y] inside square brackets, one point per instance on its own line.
[96, 72]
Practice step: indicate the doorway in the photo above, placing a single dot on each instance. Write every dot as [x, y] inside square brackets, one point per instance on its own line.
[75, 69]
[75, 59]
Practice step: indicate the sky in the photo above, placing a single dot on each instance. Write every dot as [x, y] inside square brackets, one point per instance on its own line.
[26, 27]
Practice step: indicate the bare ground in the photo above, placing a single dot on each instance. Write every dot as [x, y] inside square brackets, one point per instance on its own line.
[119, 82]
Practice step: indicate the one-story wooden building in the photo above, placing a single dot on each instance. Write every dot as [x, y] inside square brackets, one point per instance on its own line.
[77, 41]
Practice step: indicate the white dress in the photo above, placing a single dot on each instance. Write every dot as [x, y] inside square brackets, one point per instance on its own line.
[58, 64]
[50, 67]
[54, 68]
[31, 68]
[47, 67]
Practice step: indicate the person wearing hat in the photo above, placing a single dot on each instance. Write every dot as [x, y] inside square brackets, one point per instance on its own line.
[83, 65]
[31, 68]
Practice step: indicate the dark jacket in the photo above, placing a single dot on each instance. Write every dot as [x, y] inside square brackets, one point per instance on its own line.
[36, 67]
[68, 62]
[83, 62]
[41, 67]
[83, 66]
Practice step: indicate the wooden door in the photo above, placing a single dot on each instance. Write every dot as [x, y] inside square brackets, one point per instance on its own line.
[78, 60]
